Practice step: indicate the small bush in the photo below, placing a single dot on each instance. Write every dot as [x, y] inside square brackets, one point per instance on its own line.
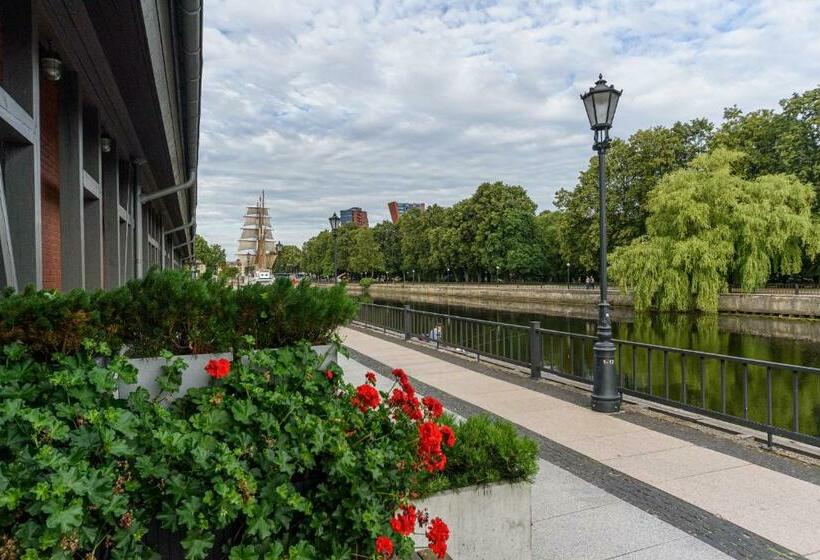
[486, 451]
[48, 322]
[365, 283]
[169, 310]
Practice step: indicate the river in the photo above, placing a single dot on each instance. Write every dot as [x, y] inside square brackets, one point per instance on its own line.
[796, 342]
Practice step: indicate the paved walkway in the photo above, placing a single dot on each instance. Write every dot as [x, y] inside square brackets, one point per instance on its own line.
[577, 519]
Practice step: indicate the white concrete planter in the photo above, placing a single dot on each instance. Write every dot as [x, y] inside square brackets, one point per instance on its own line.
[489, 522]
[149, 369]
[194, 376]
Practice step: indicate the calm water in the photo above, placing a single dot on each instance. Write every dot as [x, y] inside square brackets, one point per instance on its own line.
[720, 335]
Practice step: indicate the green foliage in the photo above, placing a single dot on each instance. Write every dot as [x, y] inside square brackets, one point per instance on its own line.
[633, 168]
[274, 458]
[707, 224]
[48, 322]
[283, 314]
[387, 237]
[212, 256]
[289, 259]
[67, 454]
[170, 311]
[486, 451]
[365, 283]
[365, 256]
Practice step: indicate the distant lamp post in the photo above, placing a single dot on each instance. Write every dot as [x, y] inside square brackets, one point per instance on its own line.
[334, 225]
[600, 103]
[567, 276]
[448, 273]
[497, 269]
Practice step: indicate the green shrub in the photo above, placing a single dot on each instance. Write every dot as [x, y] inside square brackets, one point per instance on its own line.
[282, 314]
[365, 283]
[48, 322]
[170, 310]
[67, 450]
[486, 451]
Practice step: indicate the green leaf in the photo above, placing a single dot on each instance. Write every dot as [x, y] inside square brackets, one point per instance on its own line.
[63, 517]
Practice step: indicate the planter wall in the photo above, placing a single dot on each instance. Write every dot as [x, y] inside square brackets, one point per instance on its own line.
[149, 369]
[194, 376]
[489, 522]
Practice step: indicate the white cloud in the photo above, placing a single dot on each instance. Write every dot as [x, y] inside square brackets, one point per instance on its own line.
[327, 105]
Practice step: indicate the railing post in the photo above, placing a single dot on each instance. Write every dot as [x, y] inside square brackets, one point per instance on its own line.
[536, 350]
[408, 322]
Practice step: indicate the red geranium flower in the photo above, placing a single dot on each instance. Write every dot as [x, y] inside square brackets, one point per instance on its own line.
[433, 405]
[429, 437]
[447, 435]
[384, 546]
[408, 403]
[437, 534]
[366, 397]
[371, 377]
[329, 374]
[403, 523]
[218, 368]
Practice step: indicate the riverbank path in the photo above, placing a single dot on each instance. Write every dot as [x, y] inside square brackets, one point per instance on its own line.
[629, 485]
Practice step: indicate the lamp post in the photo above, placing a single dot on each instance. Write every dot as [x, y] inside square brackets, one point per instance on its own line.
[600, 103]
[334, 225]
[448, 273]
[567, 276]
[497, 279]
[278, 250]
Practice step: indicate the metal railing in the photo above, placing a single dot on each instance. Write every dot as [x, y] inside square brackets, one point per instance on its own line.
[758, 394]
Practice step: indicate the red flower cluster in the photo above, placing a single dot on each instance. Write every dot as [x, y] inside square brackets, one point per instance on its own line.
[437, 535]
[366, 397]
[404, 522]
[433, 405]
[371, 377]
[431, 436]
[384, 546]
[218, 368]
[329, 374]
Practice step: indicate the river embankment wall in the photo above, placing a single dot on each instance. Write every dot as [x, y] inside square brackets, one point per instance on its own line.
[777, 305]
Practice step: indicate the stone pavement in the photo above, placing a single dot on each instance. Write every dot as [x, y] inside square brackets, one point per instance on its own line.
[610, 488]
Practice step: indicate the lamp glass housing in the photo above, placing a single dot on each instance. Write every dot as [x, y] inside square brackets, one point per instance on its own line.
[600, 103]
[334, 222]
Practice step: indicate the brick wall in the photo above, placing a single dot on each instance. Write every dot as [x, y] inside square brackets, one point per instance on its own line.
[50, 179]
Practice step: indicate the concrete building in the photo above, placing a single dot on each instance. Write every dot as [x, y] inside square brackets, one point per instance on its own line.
[397, 209]
[355, 215]
[99, 137]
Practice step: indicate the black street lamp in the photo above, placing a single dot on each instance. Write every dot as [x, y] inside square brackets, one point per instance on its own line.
[567, 276]
[600, 103]
[334, 225]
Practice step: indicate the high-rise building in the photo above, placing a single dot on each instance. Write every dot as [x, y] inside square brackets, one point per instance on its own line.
[355, 215]
[99, 123]
[397, 209]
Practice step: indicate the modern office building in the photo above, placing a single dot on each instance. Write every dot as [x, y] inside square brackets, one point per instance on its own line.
[355, 215]
[397, 209]
[99, 136]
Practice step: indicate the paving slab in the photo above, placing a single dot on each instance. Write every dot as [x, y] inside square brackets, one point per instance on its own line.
[785, 510]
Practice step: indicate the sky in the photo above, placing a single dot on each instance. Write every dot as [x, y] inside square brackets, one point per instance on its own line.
[329, 104]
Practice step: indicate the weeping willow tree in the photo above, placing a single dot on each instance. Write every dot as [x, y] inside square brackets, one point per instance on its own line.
[706, 224]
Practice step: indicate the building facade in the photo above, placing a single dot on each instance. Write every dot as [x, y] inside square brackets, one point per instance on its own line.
[99, 139]
[397, 209]
[354, 215]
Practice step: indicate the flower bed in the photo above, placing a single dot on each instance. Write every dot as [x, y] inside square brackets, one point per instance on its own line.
[275, 458]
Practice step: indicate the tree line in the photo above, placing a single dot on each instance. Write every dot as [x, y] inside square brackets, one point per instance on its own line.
[692, 208]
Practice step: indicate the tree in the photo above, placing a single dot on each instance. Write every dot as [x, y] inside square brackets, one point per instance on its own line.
[212, 256]
[499, 229]
[548, 244]
[389, 241]
[633, 166]
[289, 259]
[317, 254]
[365, 255]
[708, 223]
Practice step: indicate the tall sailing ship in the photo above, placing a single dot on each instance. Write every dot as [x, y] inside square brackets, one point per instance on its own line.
[257, 250]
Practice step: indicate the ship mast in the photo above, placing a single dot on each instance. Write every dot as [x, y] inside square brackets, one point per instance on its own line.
[256, 244]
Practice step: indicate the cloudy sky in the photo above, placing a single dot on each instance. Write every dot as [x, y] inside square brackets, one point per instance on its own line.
[338, 103]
